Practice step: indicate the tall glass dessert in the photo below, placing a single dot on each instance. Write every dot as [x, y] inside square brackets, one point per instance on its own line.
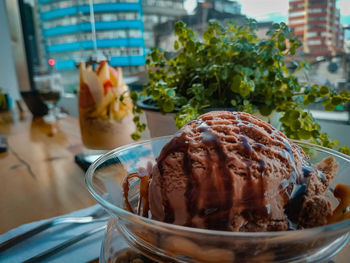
[105, 108]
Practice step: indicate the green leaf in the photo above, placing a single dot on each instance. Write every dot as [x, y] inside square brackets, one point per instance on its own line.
[207, 35]
[329, 107]
[324, 90]
[295, 125]
[294, 115]
[171, 93]
[236, 83]
[304, 134]
[136, 136]
[224, 74]
[179, 28]
[248, 71]
[246, 88]
[168, 106]
[315, 133]
[265, 110]
[176, 45]
[310, 98]
[276, 26]
[336, 101]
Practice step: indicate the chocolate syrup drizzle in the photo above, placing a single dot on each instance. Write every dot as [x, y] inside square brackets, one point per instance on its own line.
[217, 182]
[143, 197]
[216, 211]
[177, 144]
[253, 206]
[218, 202]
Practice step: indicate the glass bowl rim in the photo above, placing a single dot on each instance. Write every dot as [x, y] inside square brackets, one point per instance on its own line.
[340, 226]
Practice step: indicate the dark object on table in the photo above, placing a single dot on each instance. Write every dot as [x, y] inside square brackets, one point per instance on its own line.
[84, 160]
[4, 101]
[3, 143]
[34, 103]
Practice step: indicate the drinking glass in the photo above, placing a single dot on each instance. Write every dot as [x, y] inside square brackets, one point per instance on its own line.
[50, 90]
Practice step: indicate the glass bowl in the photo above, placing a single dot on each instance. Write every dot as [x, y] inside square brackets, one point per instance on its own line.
[172, 243]
[115, 249]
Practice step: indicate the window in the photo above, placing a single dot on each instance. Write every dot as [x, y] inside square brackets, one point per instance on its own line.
[298, 28]
[296, 21]
[316, 10]
[148, 35]
[164, 19]
[294, 14]
[320, 26]
[108, 17]
[311, 34]
[317, 2]
[316, 18]
[135, 33]
[314, 42]
[151, 2]
[295, 6]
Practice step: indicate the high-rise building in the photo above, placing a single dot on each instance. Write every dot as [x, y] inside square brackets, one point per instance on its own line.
[67, 33]
[317, 25]
[224, 6]
[206, 10]
[157, 12]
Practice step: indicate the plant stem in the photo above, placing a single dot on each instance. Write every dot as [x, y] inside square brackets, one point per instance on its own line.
[218, 81]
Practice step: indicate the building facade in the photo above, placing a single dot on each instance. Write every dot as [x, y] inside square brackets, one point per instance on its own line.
[225, 6]
[317, 25]
[157, 12]
[67, 38]
[198, 22]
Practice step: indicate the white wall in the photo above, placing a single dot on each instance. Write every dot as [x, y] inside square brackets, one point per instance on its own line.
[336, 130]
[8, 77]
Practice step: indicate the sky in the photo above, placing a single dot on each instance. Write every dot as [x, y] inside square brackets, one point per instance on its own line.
[276, 10]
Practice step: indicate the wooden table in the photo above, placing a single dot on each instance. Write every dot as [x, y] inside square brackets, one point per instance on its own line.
[39, 178]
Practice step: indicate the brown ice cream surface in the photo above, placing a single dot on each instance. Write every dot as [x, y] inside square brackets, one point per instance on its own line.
[232, 171]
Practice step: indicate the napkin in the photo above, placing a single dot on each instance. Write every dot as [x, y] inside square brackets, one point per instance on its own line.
[85, 250]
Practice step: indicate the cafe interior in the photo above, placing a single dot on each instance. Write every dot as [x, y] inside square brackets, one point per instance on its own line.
[77, 161]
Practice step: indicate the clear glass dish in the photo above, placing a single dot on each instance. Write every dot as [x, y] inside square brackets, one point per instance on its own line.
[115, 249]
[172, 243]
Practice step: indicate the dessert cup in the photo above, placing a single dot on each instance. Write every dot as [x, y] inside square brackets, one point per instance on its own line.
[172, 243]
[105, 108]
[105, 134]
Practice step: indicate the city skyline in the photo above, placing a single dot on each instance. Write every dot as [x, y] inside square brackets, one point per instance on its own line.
[277, 10]
[317, 25]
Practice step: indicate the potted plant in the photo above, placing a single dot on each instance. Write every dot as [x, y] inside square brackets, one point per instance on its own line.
[232, 68]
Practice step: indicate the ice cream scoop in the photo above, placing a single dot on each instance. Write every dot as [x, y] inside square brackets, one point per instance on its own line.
[232, 171]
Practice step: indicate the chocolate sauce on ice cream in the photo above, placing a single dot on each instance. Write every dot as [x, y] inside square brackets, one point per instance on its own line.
[232, 171]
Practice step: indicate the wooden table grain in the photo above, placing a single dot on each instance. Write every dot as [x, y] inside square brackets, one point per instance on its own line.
[39, 178]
